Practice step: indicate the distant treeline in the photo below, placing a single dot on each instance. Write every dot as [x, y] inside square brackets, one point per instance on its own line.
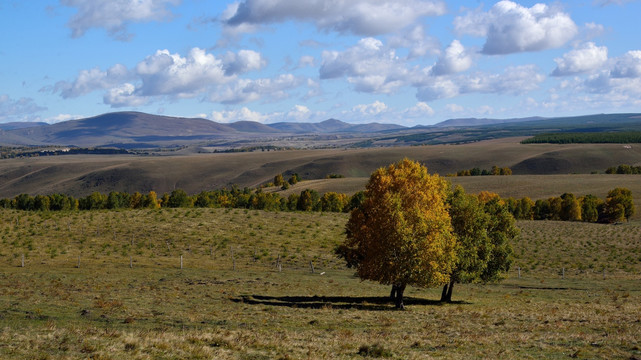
[483, 172]
[307, 200]
[624, 169]
[624, 137]
[618, 205]
[9, 153]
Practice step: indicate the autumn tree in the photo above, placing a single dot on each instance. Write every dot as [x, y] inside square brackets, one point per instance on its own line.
[401, 234]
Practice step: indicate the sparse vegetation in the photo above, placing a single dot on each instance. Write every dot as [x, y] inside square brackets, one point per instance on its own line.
[53, 308]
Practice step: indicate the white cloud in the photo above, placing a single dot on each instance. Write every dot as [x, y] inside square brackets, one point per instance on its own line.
[360, 17]
[242, 62]
[511, 28]
[243, 114]
[369, 66]
[439, 88]
[587, 58]
[421, 109]
[122, 96]
[299, 113]
[416, 41]
[246, 90]
[115, 15]
[514, 80]
[62, 117]
[455, 60]
[22, 109]
[171, 74]
[373, 109]
[91, 80]
[628, 65]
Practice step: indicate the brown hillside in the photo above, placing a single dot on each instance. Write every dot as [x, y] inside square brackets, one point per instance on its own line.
[82, 174]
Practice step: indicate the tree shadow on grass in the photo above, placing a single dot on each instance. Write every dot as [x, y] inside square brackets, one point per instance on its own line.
[378, 303]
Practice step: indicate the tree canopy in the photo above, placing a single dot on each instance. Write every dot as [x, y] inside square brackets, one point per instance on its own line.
[401, 233]
[483, 227]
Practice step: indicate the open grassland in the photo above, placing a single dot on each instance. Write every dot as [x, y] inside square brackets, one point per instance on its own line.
[79, 175]
[78, 297]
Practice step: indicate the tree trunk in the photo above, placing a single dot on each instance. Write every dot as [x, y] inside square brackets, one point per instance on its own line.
[444, 293]
[392, 294]
[449, 292]
[400, 289]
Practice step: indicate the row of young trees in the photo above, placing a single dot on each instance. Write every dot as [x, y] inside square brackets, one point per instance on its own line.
[306, 200]
[617, 206]
[484, 172]
[624, 169]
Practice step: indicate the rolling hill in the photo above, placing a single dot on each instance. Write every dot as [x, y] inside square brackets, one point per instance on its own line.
[82, 174]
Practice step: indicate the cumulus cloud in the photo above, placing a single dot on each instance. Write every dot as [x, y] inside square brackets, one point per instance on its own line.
[299, 113]
[588, 57]
[242, 62]
[369, 66]
[421, 109]
[243, 114]
[628, 65]
[454, 60]
[514, 80]
[416, 41]
[122, 96]
[373, 109]
[22, 109]
[62, 117]
[171, 74]
[246, 90]
[115, 15]
[91, 80]
[511, 28]
[360, 17]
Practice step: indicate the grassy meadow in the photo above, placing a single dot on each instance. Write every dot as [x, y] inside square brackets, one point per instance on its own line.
[109, 285]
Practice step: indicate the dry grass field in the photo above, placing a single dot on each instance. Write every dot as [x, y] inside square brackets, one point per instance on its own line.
[109, 285]
[79, 175]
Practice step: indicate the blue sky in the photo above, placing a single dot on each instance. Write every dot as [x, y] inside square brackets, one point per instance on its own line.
[408, 62]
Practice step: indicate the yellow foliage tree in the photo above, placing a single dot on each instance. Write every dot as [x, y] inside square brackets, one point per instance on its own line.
[401, 234]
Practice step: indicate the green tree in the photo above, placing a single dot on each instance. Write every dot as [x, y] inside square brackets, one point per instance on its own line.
[469, 224]
[618, 206]
[484, 232]
[309, 200]
[526, 209]
[590, 208]
[41, 203]
[178, 198]
[501, 230]
[334, 202]
[401, 234]
[24, 202]
[570, 208]
[279, 180]
[150, 201]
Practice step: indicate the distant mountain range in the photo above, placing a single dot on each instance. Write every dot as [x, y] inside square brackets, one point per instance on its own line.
[140, 130]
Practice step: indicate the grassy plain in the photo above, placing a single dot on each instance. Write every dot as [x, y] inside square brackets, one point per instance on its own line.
[78, 297]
